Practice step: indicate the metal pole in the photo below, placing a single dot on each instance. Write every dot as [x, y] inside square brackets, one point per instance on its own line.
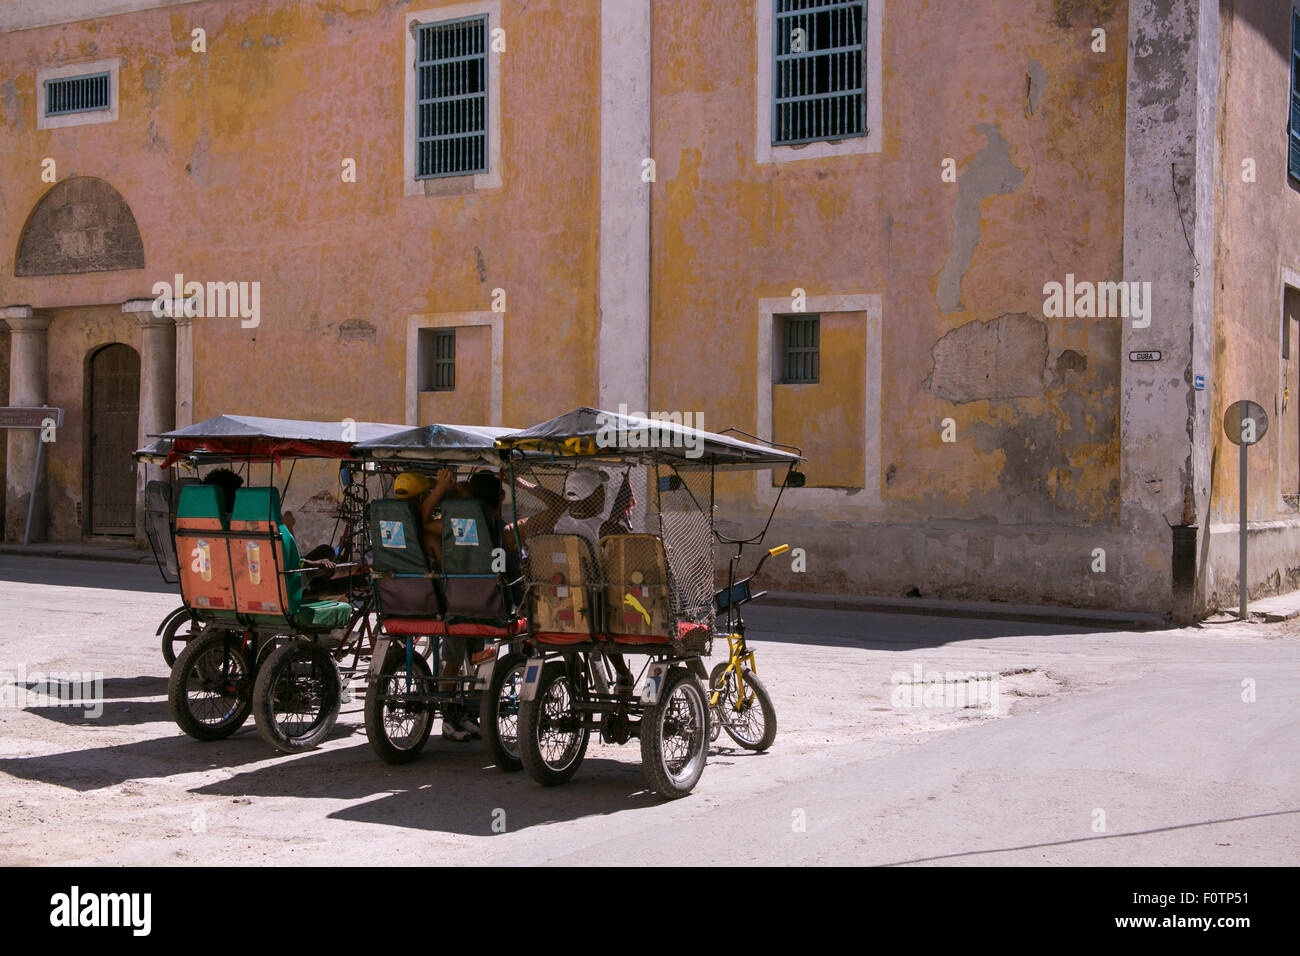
[1241, 557]
[31, 500]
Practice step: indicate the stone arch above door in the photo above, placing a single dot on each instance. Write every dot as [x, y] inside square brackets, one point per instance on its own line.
[80, 225]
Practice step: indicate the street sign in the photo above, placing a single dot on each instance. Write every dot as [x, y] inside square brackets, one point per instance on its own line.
[1151, 356]
[1198, 382]
[29, 417]
[1245, 423]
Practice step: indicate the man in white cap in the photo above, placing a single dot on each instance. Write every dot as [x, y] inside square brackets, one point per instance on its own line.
[587, 507]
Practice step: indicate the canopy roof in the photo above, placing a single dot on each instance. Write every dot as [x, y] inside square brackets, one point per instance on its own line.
[249, 438]
[593, 433]
[459, 443]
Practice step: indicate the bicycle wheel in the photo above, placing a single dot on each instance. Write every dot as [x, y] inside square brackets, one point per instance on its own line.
[749, 719]
[553, 733]
[397, 728]
[499, 711]
[674, 736]
[179, 630]
[210, 691]
[296, 697]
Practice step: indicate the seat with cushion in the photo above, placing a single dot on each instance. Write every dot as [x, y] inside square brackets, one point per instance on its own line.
[564, 599]
[261, 548]
[203, 563]
[404, 585]
[634, 570]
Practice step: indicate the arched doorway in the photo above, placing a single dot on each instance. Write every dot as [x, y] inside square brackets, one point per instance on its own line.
[113, 396]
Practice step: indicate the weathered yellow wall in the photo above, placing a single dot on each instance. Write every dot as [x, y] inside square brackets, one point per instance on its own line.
[728, 231]
[231, 160]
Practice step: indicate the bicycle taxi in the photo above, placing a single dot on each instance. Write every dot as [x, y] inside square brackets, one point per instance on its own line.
[461, 604]
[620, 563]
[259, 643]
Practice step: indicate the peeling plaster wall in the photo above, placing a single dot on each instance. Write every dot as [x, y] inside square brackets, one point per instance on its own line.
[1035, 122]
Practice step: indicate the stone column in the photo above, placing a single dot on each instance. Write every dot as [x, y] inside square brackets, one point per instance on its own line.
[184, 370]
[28, 387]
[157, 390]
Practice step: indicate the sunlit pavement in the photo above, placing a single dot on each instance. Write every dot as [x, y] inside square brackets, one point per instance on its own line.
[1157, 747]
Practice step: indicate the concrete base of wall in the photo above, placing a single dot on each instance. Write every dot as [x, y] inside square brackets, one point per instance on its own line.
[976, 560]
[1272, 559]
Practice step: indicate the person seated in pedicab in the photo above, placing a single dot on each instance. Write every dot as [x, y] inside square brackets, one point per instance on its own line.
[584, 508]
[321, 558]
[427, 495]
[228, 482]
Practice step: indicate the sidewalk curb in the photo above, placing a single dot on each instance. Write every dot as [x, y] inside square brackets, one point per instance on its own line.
[125, 557]
[988, 610]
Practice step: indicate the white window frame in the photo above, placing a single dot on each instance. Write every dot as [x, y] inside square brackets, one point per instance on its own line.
[454, 320]
[110, 66]
[472, 182]
[768, 372]
[872, 142]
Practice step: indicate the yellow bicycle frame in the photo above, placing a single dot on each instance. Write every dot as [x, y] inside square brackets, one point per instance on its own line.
[734, 660]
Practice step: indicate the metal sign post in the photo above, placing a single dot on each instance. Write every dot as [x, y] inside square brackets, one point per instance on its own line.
[1245, 423]
[37, 417]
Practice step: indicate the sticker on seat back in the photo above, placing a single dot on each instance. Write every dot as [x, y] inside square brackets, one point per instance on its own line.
[392, 534]
[465, 530]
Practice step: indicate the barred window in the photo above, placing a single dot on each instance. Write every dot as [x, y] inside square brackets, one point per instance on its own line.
[77, 94]
[1293, 138]
[819, 71]
[800, 349]
[437, 358]
[451, 98]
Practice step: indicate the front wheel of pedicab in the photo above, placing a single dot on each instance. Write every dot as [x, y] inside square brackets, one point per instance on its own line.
[210, 691]
[398, 729]
[297, 696]
[675, 736]
[499, 711]
[553, 733]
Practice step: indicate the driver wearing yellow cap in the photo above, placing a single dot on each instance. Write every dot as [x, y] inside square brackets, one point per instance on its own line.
[427, 496]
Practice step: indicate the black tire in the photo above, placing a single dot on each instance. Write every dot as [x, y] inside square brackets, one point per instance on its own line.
[499, 711]
[553, 736]
[397, 731]
[753, 724]
[674, 736]
[297, 696]
[179, 630]
[211, 686]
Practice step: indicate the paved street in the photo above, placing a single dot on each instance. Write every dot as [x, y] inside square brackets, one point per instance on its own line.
[1105, 748]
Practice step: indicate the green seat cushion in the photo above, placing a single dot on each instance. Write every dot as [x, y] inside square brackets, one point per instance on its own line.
[323, 614]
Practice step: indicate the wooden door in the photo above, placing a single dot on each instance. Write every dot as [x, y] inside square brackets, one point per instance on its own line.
[114, 423]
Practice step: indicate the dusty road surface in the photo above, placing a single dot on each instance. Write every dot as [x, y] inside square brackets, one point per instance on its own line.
[1162, 747]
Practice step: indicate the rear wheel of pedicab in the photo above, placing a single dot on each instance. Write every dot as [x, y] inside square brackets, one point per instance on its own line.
[397, 729]
[499, 711]
[179, 630]
[674, 736]
[296, 697]
[211, 686]
[751, 721]
[553, 733]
